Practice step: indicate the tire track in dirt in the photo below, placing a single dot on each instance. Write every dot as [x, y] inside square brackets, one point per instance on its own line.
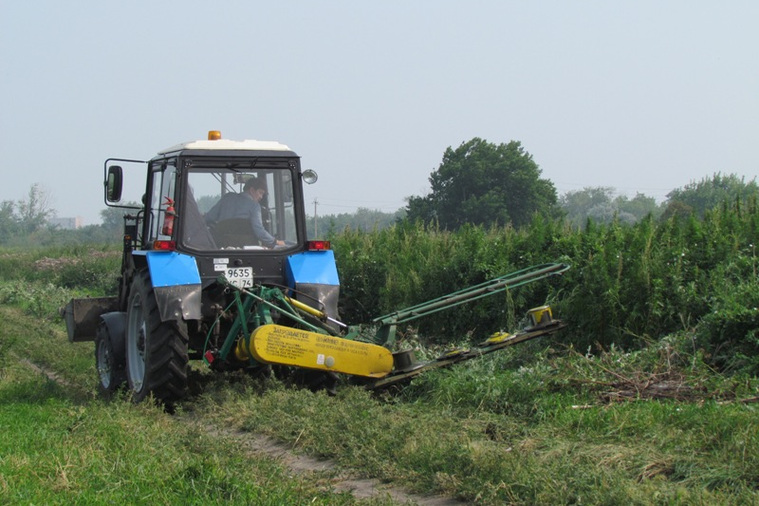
[51, 375]
[335, 479]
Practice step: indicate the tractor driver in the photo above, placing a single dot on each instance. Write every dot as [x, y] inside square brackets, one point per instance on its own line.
[244, 205]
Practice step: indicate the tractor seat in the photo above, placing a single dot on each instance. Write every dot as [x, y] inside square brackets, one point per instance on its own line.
[235, 233]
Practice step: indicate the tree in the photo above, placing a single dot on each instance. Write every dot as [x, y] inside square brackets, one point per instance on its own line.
[639, 206]
[8, 221]
[112, 218]
[483, 183]
[25, 217]
[701, 196]
[599, 204]
[35, 211]
[579, 204]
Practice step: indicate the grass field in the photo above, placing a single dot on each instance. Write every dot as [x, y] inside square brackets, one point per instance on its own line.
[532, 425]
[60, 445]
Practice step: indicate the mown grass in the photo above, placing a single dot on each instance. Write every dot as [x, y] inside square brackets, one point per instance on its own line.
[541, 434]
[59, 452]
[60, 445]
[527, 426]
[89, 270]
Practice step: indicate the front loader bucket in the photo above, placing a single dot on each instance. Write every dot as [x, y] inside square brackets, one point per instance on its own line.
[83, 315]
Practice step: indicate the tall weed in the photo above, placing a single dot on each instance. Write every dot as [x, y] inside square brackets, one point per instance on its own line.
[628, 285]
[94, 270]
[42, 300]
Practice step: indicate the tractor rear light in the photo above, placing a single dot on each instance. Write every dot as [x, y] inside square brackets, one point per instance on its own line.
[164, 245]
[318, 245]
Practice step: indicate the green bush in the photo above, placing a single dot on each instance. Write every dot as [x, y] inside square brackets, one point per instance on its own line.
[731, 330]
[628, 285]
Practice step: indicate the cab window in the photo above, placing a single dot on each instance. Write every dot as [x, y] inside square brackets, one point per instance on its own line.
[235, 208]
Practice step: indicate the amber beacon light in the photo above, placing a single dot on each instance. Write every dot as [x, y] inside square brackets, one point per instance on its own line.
[214, 135]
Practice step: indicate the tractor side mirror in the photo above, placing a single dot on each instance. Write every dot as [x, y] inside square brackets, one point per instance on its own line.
[113, 183]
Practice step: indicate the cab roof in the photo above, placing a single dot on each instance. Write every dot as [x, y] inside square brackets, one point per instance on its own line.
[227, 145]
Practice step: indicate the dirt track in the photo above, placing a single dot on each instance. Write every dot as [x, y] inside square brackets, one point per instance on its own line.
[325, 472]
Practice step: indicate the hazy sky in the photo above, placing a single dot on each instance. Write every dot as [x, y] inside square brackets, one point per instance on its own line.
[642, 96]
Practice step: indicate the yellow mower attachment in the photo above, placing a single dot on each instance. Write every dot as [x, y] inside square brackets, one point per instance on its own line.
[275, 344]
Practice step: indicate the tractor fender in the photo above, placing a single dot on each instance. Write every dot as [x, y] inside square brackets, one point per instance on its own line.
[115, 322]
[313, 278]
[176, 284]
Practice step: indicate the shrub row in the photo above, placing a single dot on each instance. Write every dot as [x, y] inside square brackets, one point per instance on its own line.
[628, 284]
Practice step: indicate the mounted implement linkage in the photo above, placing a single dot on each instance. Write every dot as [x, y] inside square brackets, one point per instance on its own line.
[312, 340]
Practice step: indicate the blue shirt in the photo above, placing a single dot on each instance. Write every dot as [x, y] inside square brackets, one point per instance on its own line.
[241, 205]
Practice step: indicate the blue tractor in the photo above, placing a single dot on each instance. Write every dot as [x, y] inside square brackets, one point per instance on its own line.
[170, 306]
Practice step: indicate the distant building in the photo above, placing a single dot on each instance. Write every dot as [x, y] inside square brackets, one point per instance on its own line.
[67, 223]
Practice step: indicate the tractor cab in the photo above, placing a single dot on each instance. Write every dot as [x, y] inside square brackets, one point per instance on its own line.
[236, 207]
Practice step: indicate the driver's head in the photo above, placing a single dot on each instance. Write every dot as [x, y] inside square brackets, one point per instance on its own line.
[256, 187]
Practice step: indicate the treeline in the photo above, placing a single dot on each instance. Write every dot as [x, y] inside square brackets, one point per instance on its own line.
[477, 183]
[27, 222]
[362, 219]
[51, 235]
[23, 218]
[628, 284]
[598, 204]
[601, 204]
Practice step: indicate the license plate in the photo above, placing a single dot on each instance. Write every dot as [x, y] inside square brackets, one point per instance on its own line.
[241, 277]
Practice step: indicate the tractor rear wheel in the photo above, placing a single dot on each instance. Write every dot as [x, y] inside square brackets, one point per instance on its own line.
[156, 351]
[109, 360]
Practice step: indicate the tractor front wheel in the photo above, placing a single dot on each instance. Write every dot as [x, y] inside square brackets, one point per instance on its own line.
[156, 351]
